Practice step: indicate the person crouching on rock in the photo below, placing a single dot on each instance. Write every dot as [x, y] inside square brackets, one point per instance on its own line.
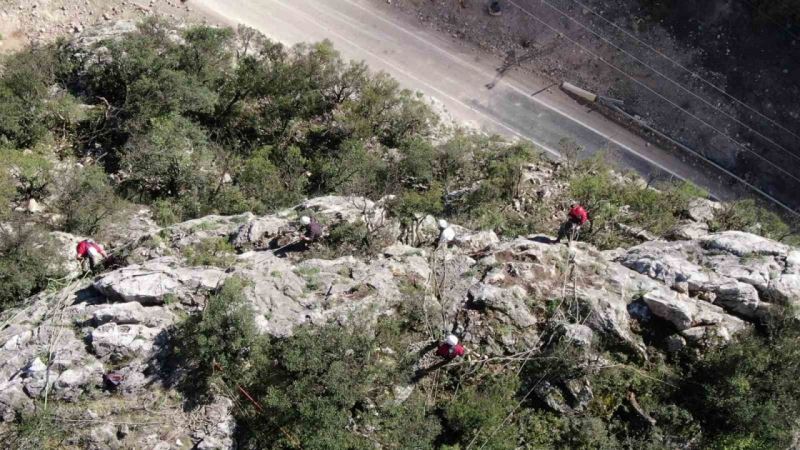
[312, 231]
[90, 250]
[450, 348]
[576, 219]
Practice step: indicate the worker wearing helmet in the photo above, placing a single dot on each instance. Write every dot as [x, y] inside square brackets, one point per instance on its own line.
[89, 250]
[450, 348]
[446, 233]
[576, 218]
[312, 230]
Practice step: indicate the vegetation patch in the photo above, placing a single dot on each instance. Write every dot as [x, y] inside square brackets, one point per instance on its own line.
[216, 252]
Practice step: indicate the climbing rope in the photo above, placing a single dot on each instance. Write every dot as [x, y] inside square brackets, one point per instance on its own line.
[568, 274]
[60, 306]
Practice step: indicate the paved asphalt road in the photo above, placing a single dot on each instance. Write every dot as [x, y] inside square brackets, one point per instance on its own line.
[456, 76]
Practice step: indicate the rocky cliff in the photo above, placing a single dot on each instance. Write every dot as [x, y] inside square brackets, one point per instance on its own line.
[499, 295]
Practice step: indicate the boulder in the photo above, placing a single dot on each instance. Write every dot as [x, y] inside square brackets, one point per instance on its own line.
[253, 232]
[475, 241]
[193, 231]
[158, 280]
[334, 208]
[742, 244]
[685, 312]
[578, 334]
[122, 341]
[13, 401]
[510, 302]
[689, 230]
[793, 262]
[740, 298]
[702, 210]
[132, 313]
[675, 343]
[785, 290]
[136, 225]
[65, 244]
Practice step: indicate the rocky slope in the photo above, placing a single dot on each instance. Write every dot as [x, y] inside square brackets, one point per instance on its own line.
[499, 295]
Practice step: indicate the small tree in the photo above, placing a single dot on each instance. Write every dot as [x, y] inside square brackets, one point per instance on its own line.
[31, 173]
[27, 260]
[221, 341]
[169, 160]
[411, 207]
[87, 201]
[273, 177]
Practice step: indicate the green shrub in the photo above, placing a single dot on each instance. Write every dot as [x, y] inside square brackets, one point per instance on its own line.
[27, 261]
[8, 192]
[747, 215]
[346, 238]
[504, 170]
[319, 383]
[483, 410]
[172, 159]
[87, 202]
[211, 252]
[166, 212]
[745, 394]
[273, 177]
[36, 430]
[221, 341]
[25, 79]
[411, 206]
[31, 173]
[612, 201]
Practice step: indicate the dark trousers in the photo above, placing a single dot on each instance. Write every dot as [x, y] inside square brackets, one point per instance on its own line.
[568, 229]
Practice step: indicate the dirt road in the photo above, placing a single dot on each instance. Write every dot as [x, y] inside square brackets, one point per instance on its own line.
[456, 76]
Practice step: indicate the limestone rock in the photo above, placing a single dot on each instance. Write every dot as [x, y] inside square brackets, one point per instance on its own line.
[65, 245]
[684, 312]
[475, 241]
[252, 232]
[122, 341]
[193, 231]
[154, 282]
[132, 313]
[689, 230]
[578, 334]
[741, 244]
[702, 210]
[333, 208]
[510, 302]
[675, 343]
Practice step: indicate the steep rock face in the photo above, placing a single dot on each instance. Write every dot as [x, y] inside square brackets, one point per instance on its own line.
[744, 273]
[498, 295]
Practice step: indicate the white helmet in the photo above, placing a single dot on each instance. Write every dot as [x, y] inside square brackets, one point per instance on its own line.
[305, 220]
[451, 340]
[443, 224]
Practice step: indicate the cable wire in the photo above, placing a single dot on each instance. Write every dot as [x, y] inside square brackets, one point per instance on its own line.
[690, 71]
[682, 87]
[632, 78]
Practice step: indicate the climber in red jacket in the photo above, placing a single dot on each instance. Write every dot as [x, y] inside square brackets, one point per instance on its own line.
[450, 348]
[91, 250]
[576, 219]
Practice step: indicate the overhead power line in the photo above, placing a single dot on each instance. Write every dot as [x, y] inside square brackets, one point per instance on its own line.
[690, 71]
[682, 87]
[632, 78]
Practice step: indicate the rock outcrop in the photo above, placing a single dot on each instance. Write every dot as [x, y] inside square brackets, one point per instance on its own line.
[499, 295]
